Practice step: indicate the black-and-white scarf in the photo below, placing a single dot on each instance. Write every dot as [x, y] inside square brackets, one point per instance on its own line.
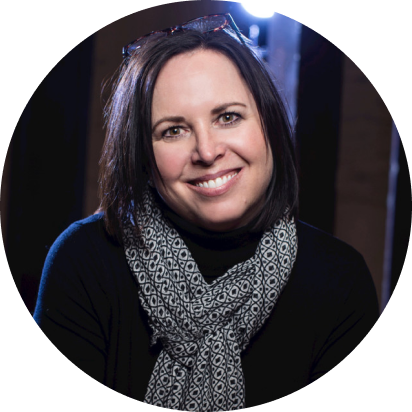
[203, 328]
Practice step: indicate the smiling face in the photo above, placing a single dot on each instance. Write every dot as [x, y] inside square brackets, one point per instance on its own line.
[208, 142]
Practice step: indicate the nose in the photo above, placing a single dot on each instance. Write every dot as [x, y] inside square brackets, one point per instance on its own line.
[208, 148]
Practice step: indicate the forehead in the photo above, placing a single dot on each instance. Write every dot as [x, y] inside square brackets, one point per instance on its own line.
[199, 77]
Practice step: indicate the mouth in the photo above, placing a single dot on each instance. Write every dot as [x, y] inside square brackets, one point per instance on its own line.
[213, 183]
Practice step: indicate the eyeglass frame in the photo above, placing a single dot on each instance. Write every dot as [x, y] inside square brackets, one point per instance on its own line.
[229, 22]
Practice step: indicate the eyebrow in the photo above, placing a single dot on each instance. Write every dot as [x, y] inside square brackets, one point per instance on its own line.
[179, 119]
[224, 106]
[172, 119]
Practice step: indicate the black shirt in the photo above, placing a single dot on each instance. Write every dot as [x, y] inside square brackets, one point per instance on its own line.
[88, 306]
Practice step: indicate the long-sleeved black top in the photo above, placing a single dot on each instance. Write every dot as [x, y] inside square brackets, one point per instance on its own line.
[88, 306]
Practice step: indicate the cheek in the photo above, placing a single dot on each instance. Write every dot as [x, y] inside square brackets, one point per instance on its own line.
[169, 162]
[254, 148]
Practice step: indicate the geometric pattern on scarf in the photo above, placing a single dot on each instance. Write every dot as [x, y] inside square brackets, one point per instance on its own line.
[203, 327]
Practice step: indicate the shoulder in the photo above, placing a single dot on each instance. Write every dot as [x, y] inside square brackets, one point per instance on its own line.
[84, 246]
[83, 235]
[82, 275]
[83, 262]
[330, 269]
[322, 249]
[89, 227]
[337, 278]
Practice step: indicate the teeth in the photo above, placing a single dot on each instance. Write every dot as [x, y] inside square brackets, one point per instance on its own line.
[217, 182]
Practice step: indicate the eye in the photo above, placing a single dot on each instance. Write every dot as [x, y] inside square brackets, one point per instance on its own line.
[227, 119]
[175, 131]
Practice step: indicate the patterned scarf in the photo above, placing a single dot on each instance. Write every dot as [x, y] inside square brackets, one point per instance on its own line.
[203, 327]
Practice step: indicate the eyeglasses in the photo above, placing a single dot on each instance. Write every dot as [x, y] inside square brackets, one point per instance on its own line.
[206, 24]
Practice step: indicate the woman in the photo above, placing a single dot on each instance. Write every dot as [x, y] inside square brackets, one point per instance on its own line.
[194, 288]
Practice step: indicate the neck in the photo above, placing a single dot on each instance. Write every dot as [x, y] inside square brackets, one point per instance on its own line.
[214, 252]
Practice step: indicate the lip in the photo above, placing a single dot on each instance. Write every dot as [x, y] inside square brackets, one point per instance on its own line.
[217, 191]
[214, 175]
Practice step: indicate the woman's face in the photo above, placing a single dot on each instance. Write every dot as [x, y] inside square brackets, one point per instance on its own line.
[208, 142]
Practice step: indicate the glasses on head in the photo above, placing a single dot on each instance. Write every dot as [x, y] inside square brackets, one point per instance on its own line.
[206, 24]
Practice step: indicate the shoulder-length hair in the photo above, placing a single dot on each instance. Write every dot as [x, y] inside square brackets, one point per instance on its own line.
[127, 160]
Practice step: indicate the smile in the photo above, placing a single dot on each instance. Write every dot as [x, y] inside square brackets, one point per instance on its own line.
[213, 184]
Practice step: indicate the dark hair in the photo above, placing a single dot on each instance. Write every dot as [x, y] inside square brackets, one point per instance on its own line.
[128, 157]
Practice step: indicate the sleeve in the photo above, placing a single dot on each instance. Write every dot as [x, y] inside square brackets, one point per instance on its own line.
[356, 316]
[68, 308]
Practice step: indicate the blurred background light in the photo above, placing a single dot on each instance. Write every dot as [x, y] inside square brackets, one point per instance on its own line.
[259, 8]
[254, 31]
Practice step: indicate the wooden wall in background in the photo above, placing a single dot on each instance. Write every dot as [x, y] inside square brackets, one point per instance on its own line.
[363, 169]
